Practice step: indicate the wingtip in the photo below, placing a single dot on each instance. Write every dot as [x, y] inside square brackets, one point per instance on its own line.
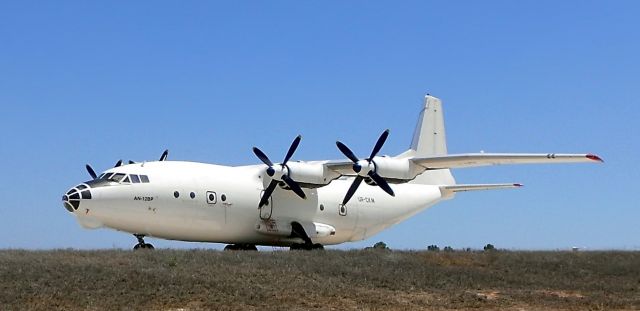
[594, 157]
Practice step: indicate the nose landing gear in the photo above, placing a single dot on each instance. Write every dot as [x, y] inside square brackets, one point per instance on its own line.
[141, 244]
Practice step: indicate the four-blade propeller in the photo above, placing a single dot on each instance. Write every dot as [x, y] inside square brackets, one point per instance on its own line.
[279, 172]
[365, 168]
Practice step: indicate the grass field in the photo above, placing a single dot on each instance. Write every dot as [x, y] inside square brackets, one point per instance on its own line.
[321, 280]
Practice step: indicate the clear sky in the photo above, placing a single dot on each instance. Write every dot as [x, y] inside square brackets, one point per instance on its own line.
[94, 82]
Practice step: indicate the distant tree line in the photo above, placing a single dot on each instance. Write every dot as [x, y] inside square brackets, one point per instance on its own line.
[434, 248]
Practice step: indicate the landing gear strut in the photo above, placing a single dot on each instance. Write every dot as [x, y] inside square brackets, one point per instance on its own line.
[141, 244]
[240, 247]
[298, 231]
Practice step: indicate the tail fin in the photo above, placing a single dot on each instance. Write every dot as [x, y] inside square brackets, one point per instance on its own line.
[429, 139]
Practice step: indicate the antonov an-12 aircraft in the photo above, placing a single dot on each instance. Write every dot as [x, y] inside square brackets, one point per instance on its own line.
[296, 204]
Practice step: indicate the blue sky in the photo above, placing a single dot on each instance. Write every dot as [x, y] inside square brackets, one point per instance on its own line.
[94, 82]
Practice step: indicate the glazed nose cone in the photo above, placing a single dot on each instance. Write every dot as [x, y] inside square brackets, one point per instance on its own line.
[71, 200]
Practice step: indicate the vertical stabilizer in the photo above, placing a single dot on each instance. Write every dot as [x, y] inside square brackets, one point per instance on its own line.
[429, 135]
[429, 139]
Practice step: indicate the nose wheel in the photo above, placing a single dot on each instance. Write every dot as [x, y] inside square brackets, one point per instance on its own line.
[141, 244]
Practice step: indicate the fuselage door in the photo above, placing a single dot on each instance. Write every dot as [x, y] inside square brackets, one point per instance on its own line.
[265, 211]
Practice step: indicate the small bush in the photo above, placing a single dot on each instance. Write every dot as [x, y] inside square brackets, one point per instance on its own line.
[489, 248]
[380, 245]
[433, 248]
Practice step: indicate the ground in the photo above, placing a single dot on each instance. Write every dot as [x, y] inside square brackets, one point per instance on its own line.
[318, 280]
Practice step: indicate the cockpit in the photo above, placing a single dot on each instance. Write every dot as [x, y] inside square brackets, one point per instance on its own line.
[123, 178]
[72, 199]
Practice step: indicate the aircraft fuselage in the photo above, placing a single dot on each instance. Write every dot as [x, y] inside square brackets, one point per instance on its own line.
[191, 201]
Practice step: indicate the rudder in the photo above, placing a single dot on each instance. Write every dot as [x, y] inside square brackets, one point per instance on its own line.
[429, 136]
[429, 139]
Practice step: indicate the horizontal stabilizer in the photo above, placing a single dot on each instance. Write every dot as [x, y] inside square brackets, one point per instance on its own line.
[448, 190]
[485, 159]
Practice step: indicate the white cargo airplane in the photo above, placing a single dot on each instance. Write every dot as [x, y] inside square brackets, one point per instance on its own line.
[296, 204]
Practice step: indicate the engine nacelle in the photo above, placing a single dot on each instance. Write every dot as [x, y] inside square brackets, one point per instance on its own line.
[310, 175]
[396, 169]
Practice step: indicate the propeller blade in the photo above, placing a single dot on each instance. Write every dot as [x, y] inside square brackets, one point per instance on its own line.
[264, 200]
[352, 189]
[347, 152]
[91, 171]
[381, 182]
[294, 186]
[379, 143]
[263, 157]
[164, 155]
[292, 149]
[119, 163]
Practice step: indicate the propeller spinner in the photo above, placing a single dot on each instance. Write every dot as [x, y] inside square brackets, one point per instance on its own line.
[365, 168]
[279, 172]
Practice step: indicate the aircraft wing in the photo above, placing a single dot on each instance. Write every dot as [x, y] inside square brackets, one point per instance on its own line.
[485, 159]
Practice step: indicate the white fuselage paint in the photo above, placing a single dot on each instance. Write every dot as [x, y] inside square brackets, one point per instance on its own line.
[152, 210]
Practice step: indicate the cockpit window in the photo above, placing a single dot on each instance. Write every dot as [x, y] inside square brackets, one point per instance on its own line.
[123, 178]
[118, 177]
[135, 179]
[144, 178]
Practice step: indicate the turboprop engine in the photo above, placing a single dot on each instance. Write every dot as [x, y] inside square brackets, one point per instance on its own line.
[311, 175]
[293, 175]
[377, 170]
[395, 170]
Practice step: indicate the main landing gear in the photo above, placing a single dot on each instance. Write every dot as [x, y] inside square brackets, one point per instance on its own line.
[298, 231]
[141, 244]
[240, 247]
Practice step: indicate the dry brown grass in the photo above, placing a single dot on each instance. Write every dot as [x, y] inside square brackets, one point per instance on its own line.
[330, 280]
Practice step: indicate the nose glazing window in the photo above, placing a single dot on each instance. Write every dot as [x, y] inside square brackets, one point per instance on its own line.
[71, 200]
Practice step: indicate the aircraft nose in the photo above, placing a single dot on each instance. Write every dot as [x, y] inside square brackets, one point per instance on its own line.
[71, 200]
